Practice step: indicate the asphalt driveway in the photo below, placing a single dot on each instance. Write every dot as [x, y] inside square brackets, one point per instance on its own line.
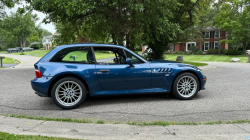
[226, 98]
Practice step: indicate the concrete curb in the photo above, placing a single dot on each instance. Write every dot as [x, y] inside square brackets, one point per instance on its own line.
[123, 131]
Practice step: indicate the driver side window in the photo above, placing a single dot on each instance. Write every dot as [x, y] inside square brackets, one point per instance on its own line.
[109, 56]
[134, 59]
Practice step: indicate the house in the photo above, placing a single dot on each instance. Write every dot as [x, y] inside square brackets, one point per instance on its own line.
[212, 37]
[47, 41]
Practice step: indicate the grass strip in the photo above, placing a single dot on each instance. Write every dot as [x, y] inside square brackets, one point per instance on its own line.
[8, 60]
[197, 64]
[8, 136]
[207, 58]
[154, 123]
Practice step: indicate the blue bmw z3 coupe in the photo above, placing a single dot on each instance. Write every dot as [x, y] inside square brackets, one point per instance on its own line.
[69, 73]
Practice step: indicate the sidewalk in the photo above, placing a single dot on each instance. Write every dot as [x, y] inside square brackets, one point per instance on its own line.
[26, 61]
[123, 131]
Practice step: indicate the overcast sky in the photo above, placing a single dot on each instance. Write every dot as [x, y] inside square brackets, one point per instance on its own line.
[50, 27]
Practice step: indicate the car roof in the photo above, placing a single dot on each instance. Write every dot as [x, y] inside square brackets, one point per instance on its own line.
[91, 44]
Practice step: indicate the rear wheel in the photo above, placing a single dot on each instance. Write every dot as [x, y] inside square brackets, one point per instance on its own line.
[186, 86]
[68, 93]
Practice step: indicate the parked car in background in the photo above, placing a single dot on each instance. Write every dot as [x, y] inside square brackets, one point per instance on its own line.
[248, 52]
[69, 73]
[17, 49]
[25, 49]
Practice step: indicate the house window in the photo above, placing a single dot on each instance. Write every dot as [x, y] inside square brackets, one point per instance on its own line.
[216, 45]
[190, 44]
[206, 34]
[206, 46]
[216, 34]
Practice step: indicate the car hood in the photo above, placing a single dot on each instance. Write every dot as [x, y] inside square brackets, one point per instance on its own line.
[179, 64]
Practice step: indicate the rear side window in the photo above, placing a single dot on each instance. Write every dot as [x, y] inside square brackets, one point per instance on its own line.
[75, 55]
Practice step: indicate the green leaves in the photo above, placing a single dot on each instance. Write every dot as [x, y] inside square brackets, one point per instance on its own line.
[234, 18]
[18, 26]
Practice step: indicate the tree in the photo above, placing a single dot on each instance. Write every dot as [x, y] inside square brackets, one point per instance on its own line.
[19, 25]
[234, 18]
[155, 22]
[4, 4]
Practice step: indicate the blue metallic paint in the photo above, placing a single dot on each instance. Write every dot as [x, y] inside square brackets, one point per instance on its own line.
[154, 76]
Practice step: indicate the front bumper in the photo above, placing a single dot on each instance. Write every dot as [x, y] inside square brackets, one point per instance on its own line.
[203, 82]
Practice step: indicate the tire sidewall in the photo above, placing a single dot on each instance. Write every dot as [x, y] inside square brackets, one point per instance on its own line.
[175, 92]
[53, 95]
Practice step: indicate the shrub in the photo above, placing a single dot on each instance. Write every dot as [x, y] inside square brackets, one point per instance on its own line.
[233, 52]
[1, 48]
[187, 52]
[193, 49]
[51, 48]
[199, 52]
[224, 51]
[181, 52]
[213, 51]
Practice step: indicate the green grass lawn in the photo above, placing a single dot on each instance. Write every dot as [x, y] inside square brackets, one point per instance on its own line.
[7, 136]
[35, 52]
[3, 52]
[8, 60]
[207, 58]
[195, 63]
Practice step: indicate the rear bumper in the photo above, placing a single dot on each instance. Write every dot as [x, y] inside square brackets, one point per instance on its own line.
[40, 94]
[40, 86]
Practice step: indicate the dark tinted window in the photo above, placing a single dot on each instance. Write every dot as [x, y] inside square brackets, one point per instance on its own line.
[75, 55]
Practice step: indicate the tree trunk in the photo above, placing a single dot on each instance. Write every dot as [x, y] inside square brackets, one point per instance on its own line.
[24, 42]
[244, 47]
[219, 47]
[127, 41]
[200, 45]
[131, 45]
[21, 43]
[114, 39]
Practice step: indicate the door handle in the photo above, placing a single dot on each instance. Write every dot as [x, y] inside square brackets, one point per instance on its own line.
[104, 70]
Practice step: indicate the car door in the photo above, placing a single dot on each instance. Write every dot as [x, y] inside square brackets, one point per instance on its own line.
[115, 74]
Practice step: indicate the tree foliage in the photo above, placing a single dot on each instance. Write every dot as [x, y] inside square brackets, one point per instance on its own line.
[234, 18]
[18, 26]
[4, 4]
[153, 22]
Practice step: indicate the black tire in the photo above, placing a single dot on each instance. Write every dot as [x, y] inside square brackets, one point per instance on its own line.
[179, 80]
[56, 96]
[9, 51]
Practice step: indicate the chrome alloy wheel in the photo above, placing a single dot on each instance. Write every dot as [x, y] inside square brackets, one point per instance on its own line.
[68, 93]
[186, 86]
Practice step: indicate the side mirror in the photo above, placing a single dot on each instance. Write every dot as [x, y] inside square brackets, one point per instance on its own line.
[129, 62]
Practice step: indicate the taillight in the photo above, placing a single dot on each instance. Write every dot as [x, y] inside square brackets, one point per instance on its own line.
[38, 73]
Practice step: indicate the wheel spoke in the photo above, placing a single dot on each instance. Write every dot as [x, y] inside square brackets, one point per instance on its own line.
[74, 98]
[70, 99]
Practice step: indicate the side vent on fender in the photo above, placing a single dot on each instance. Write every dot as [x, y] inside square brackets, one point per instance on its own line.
[165, 70]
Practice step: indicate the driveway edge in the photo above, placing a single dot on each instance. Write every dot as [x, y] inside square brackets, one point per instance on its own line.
[122, 131]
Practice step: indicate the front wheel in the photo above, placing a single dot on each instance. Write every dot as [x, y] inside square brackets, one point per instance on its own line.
[68, 93]
[186, 86]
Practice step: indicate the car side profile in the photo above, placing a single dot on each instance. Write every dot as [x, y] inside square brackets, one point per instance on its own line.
[27, 49]
[17, 49]
[69, 73]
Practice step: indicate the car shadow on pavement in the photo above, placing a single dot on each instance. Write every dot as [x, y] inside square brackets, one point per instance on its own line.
[121, 99]
[125, 99]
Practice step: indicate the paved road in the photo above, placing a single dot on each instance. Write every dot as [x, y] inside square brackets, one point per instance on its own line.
[226, 98]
